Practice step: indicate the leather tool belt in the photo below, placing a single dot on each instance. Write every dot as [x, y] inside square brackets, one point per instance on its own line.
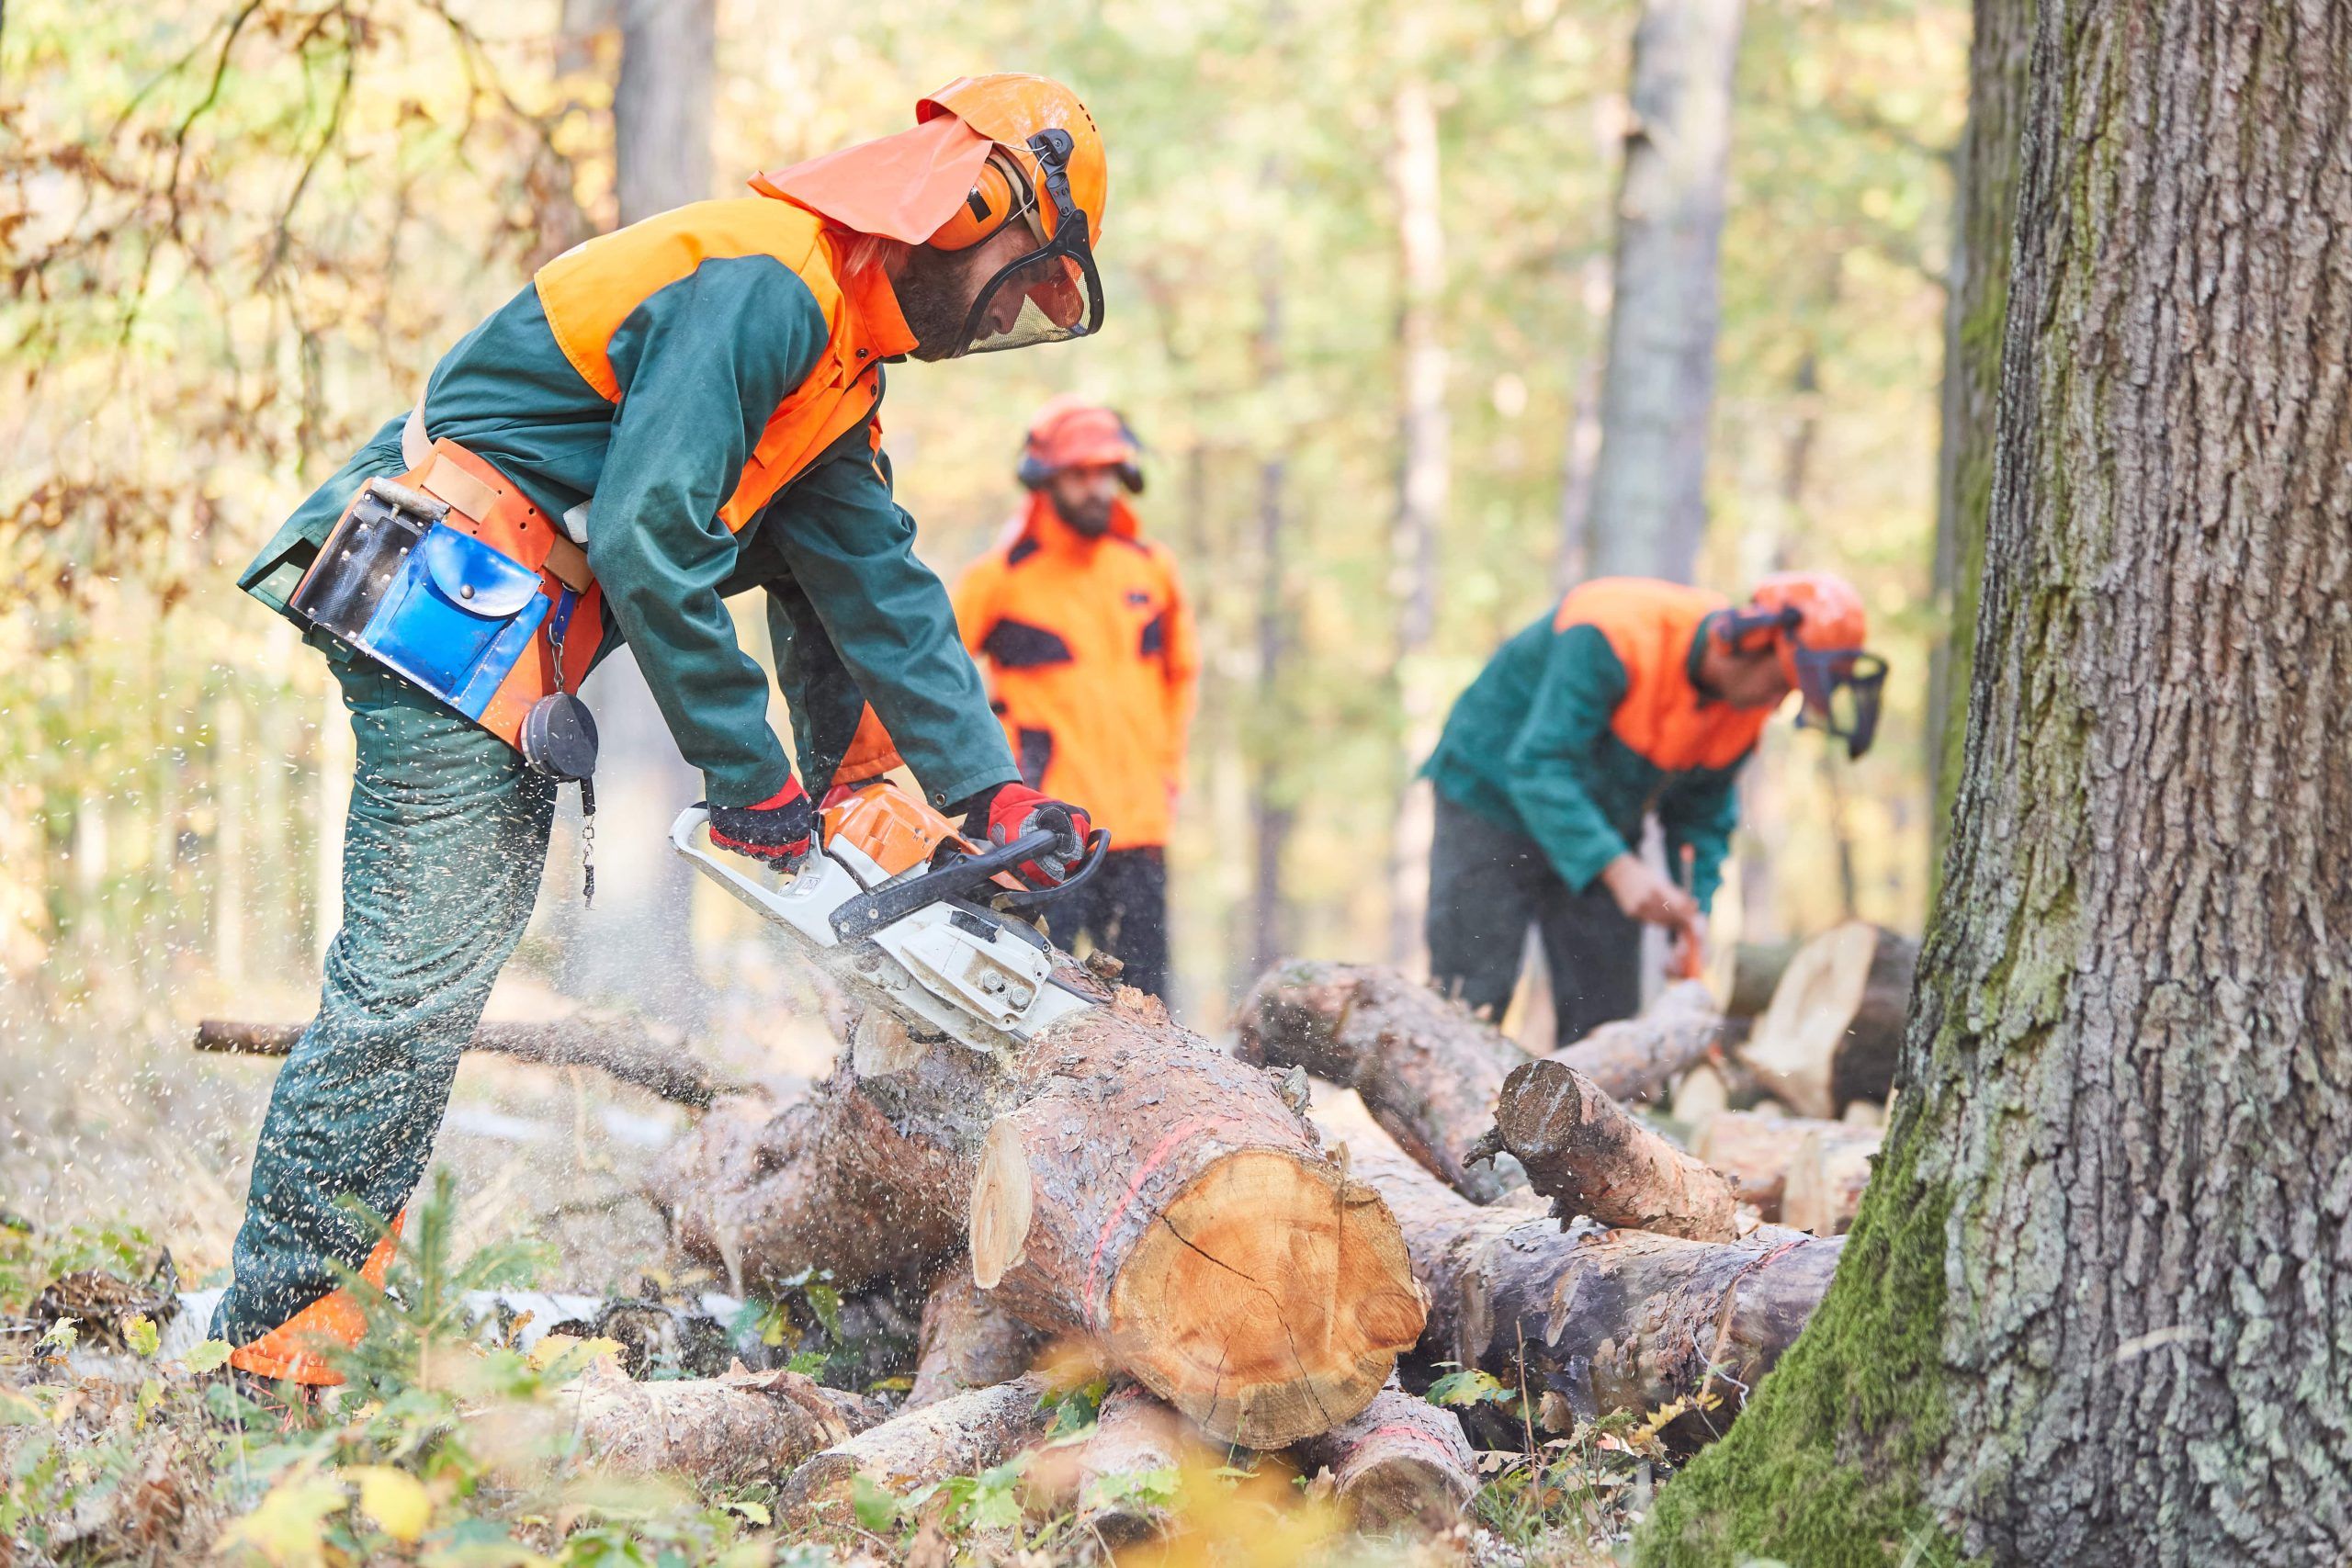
[450, 576]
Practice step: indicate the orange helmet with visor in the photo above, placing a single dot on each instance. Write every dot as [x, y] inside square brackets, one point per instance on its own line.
[1814, 621]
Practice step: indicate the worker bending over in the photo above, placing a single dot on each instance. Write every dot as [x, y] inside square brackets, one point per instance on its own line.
[1089, 647]
[663, 417]
[1634, 696]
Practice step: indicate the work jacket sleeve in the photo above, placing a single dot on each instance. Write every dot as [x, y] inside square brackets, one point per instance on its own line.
[1581, 684]
[851, 549]
[701, 364]
[1697, 811]
[1181, 658]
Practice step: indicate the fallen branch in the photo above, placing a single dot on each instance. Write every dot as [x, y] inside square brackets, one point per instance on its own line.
[1402, 1465]
[619, 1047]
[1588, 1155]
[958, 1436]
[1426, 1069]
[1602, 1320]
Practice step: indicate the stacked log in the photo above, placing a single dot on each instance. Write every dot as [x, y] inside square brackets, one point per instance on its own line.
[1833, 1032]
[1590, 1156]
[967, 1342]
[1761, 1155]
[1401, 1466]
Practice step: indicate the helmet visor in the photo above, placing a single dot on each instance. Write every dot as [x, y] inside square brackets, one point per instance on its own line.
[1053, 293]
[1841, 688]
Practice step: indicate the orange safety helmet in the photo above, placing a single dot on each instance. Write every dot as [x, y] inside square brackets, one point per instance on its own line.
[1068, 432]
[983, 151]
[1815, 620]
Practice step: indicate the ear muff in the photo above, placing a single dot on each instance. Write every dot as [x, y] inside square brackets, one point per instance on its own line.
[993, 198]
[1033, 472]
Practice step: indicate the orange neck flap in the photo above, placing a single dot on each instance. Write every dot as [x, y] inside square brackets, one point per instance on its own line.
[902, 187]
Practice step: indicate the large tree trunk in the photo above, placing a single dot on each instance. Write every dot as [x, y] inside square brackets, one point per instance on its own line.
[1649, 502]
[1976, 305]
[1424, 479]
[635, 943]
[1600, 1320]
[1426, 1069]
[2094, 1314]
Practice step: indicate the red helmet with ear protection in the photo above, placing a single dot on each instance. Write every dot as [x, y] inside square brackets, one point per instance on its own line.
[1068, 432]
[1814, 621]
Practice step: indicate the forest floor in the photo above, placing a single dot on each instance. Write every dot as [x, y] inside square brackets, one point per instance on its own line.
[118, 1145]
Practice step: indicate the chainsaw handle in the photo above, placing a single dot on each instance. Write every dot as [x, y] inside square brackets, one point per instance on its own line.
[869, 912]
[1089, 861]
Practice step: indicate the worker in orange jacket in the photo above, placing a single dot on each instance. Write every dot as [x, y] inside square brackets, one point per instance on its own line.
[1087, 641]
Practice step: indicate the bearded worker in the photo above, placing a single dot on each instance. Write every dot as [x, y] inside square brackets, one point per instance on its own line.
[665, 416]
[1086, 638]
[1633, 698]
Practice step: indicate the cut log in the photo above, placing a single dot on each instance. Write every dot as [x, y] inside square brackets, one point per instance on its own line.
[1834, 1030]
[968, 1340]
[828, 1184]
[656, 1060]
[1117, 1483]
[721, 1432]
[1590, 1156]
[1634, 1059]
[1164, 1200]
[1756, 971]
[1826, 1178]
[959, 1436]
[1754, 1152]
[1401, 1466]
[1425, 1068]
[1603, 1320]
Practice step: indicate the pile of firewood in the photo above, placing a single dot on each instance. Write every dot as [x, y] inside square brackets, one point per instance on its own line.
[1124, 1197]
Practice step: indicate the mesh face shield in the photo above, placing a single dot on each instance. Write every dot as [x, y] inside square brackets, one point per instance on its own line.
[1051, 294]
[1841, 688]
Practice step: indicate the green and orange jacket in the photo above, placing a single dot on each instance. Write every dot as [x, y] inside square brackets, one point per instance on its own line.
[705, 383]
[1590, 719]
[1092, 662]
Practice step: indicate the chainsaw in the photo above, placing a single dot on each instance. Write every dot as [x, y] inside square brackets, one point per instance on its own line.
[899, 904]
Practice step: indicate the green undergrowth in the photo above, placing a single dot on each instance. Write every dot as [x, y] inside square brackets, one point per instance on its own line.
[1821, 1469]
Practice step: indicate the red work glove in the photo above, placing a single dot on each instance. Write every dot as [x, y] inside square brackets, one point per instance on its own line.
[774, 830]
[1015, 809]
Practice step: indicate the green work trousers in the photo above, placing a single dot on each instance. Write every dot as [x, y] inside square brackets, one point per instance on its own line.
[443, 848]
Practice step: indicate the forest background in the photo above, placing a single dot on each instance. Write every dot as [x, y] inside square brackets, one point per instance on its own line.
[237, 235]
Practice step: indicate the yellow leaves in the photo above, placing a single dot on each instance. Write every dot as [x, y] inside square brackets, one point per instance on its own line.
[139, 1333]
[288, 1528]
[395, 1501]
[211, 1354]
[567, 1356]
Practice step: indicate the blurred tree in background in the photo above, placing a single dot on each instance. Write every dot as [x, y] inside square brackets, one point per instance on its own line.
[237, 233]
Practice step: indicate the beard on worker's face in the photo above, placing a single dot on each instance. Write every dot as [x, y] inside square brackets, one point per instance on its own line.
[1089, 516]
[936, 296]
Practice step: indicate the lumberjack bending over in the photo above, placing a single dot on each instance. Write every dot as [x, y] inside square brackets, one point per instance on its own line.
[1634, 696]
[666, 415]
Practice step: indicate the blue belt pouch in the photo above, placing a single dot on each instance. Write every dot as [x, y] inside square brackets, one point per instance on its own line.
[458, 617]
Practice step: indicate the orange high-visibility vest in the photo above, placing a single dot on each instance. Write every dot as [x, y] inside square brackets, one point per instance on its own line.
[591, 289]
[1663, 719]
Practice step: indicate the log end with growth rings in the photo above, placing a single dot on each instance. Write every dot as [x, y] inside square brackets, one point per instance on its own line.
[1269, 1302]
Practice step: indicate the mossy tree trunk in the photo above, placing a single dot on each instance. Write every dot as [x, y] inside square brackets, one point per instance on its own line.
[2093, 1310]
[1976, 307]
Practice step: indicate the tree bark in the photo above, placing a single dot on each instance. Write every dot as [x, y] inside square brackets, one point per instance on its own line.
[1426, 1069]
[1582, 1150]
[2097, 1283]
[1976, 305]
[1402, 1466]
[1649, 504]
[1163, 1200]
[1600, 1320]
[655, 1060]
[1424, 481]
[967, 1342]
[1834, 1030]
[719, 1432]
[1634, 1059]
[635, 942]
[1756, 1152]
[969, 1432]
